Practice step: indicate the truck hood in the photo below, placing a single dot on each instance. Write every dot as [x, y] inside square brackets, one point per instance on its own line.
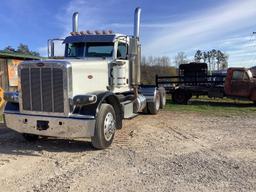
[89, 75]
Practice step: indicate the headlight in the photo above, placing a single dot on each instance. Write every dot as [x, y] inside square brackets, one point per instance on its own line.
[81, 100]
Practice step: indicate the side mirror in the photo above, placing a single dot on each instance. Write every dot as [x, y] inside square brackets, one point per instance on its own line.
[56, 48]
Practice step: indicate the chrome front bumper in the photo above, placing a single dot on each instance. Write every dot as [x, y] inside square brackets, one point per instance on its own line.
[64, 127]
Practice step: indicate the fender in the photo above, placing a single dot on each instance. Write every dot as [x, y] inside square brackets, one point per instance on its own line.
[148, 91]
[102, 97]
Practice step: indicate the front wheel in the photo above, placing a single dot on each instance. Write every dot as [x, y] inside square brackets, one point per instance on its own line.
[105, 127]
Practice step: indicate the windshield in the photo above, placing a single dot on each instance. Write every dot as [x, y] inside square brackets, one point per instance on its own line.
[89, 49]
[99, 49]
[74, 50]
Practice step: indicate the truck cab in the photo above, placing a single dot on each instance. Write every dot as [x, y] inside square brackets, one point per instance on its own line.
[101, 61]
[240, 83]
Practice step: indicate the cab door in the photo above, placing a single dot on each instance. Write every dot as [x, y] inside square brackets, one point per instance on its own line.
[120, 71]
[240, 84]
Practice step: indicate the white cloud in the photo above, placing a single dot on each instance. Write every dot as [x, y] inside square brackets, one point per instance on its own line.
[203, 29]
[241, 51]
[91, 15]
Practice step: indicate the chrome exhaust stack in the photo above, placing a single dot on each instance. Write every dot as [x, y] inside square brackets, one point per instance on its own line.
[135, 54]
[75, 22]
[137, 13]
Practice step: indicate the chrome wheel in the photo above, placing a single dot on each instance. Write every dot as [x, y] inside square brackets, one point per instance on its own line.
[164, 100]
[109, 126]
[105, 127]
[157, 102]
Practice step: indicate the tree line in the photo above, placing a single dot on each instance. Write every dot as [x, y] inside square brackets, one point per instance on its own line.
[22, 48]
[152, 66]
[216, 59]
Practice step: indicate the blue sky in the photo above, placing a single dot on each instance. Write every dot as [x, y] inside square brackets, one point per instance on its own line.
[168, 26]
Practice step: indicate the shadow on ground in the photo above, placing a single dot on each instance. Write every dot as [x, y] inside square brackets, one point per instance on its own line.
[221, 104]
[13, 143]
[199, 102]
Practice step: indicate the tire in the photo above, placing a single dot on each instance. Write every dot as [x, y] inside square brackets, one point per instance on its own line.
[180, 97]
[189, 96]
[162, 97]
[153, 107]
[30, 137]
[105, 127]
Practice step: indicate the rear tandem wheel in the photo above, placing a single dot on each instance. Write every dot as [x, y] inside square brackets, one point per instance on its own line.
[181, 97]
[153, 107]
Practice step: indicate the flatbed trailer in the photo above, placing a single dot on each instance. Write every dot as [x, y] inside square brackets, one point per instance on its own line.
[182, 88]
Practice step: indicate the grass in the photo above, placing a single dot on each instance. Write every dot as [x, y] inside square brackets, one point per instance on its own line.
[209, 106]
[205, 105]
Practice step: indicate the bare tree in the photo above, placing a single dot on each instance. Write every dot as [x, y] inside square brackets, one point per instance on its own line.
[209, 56]
[151, 66]
[205, 56]
[218, 57]
[180, 58]
[221, 60]
[198, 56]
[215, 59]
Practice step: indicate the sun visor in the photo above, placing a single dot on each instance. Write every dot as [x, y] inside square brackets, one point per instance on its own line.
[89, 38]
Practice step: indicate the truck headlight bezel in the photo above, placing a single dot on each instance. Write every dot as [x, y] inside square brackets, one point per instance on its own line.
[12, 97]
[82, 100]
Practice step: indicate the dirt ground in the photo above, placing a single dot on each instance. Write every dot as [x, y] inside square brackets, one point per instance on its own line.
[172, 151]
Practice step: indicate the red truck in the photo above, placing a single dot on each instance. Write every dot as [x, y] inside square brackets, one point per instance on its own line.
[240, 83]
[193, 79]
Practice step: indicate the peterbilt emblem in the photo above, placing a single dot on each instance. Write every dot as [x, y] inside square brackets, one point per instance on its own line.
[90, 76]
[40, 64]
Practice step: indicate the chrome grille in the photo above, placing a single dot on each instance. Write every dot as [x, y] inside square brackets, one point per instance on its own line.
[42, 89]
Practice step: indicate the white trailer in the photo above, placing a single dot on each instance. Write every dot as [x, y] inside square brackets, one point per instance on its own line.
[88, 93]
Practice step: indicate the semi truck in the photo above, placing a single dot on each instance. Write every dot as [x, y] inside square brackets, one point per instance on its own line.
[88, 93]
[193, 80]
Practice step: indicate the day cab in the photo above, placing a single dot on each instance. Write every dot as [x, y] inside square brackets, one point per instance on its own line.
[86, 94]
